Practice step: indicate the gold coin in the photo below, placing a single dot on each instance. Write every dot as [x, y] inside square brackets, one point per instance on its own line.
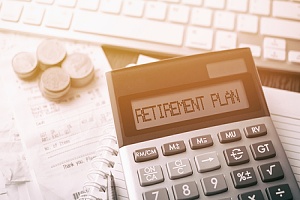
[80, 68]
[50, 53]
[24, 64]
[54, 83]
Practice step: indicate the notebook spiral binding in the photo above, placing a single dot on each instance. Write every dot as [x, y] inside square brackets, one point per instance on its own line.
[102, 164]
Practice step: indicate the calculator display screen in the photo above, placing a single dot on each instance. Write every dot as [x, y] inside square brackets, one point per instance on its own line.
[183, 105]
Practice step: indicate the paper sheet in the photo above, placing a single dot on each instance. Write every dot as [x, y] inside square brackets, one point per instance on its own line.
[60, 137]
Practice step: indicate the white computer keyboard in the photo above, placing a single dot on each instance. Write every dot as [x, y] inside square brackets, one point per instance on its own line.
[171, 27]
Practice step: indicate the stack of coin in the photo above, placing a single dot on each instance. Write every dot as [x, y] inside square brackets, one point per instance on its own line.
[25, 65]
[50, 53]
[54, 83]
[80, 68]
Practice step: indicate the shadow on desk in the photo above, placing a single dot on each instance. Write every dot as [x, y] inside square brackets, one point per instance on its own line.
[281, 80]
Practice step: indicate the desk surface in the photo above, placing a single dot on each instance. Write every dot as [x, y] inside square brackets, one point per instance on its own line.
[287, 81]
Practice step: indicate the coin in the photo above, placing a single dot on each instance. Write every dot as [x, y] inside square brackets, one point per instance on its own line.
[50, 53]
[80, 68]
[54, 83]
[24, 65]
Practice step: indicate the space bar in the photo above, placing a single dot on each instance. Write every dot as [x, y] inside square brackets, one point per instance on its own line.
[131, 28]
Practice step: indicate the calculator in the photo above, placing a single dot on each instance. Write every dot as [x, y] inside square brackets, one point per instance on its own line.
[198, 127]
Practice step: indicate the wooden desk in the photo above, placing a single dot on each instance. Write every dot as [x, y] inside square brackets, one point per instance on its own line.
[287, 81]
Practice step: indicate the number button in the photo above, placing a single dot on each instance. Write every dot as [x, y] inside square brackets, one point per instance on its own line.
[214, 185]
[159, 194]
[186, 191]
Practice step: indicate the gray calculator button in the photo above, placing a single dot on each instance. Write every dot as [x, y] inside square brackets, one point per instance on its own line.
[230, 136]
[280, 192]
[173, 148]
[150, 175]
[159, 194]
[214, 185]
[263, 150]
[271, 171]
[179, 168]
[253, 195]
[207, 162]
[186, 190]
[229, 198]
[201, 142]
[236, 156]
[142, 155]
[255, 131]
[243, 177]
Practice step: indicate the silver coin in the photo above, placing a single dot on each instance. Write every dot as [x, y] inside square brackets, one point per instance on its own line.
[80, 68]
[24, 64]
[50, 53]
[54, 83]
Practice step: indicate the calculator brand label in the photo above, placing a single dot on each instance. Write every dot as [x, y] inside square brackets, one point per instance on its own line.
[189, 104]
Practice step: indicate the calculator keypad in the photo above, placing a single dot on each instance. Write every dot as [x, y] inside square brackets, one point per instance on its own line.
[242, 177]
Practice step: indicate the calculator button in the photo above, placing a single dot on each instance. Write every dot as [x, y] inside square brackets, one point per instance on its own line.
[179, 168]
[186, 190]
[243, 177]
[253, 195]
[255, 131]
[271, 171]
[142, 155]
[230, 136]
[207, 162]
[173, 148]
[279, 192]
[263, 150]
[201, 142]
[214, 185]
[150, 175]
[159, 194]
[236, 156]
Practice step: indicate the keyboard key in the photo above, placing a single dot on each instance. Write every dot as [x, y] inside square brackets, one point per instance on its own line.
[111, 6]
[294, 56]
[236, 156]
[280, 28]
[260, 7]
[152, 31]
[58, 18]
[214, 185]
[92, 5]
[253, 195]
[150, 175]
[219, 4]
[192, 2]
[134, 8]
[66, 3]
[224, 20]
[11, 11]
[225, 40]
[201, 38]
[271, 171]
[280, 9]
[159, 194]
[255, 131]
[247, 23]
[186, 190]
[274, 54]
[201, 142]
[230, 136]
[237, 5]
[263, 150]
[179, 168]
[45, 1]
[243, 177]
[274, 43]
[201, 17]
[145, 154]
[207, 162]
[33, 15]
[178, 13]
[279, 192]
[156, 10]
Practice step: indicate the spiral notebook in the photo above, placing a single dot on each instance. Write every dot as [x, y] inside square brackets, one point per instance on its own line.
[106, 161]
